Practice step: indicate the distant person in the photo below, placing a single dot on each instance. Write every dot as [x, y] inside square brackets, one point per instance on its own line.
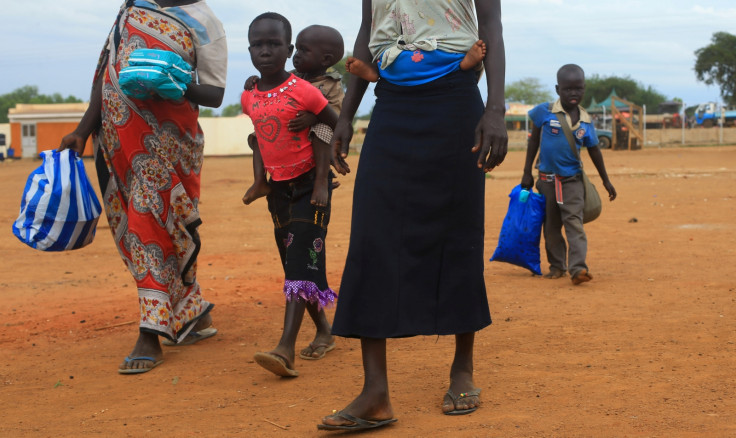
[560, 175]
[148, 154]
[298, 190]
[416, 258]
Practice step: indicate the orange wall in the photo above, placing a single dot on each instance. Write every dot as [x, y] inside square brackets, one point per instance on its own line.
[14, 140]
[48, 136]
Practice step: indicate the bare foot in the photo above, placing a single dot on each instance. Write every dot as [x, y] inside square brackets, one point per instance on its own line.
[320, 195]
[146, 346]
[259, 189]
[461, 382]
[475, 55]
[372, 407]
[362, 70]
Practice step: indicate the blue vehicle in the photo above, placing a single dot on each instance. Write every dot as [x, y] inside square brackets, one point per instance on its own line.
[708, 114]
[605, 137]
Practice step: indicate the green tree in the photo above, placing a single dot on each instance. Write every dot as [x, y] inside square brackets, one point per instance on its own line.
[232, 110]
[600, 87]
[527, 90]
[29, 94]
[716, 64]
[340, 68]
[207, 112]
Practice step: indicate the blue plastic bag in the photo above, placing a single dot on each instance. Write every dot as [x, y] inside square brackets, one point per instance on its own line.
[153, 72]
[521, 231]
[59, 209]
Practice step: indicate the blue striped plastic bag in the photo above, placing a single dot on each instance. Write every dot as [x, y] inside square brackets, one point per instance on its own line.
[59, 209]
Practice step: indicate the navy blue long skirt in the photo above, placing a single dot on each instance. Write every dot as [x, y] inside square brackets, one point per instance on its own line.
[415, 261]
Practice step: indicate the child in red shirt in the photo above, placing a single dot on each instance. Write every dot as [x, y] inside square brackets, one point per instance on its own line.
[299, 189]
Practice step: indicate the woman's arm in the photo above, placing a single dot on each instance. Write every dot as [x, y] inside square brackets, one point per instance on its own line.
[353, 96]
[90, 122]
[491, 136]
[205, 95]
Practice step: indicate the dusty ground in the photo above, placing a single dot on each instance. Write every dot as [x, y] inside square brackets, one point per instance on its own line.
[646, 349]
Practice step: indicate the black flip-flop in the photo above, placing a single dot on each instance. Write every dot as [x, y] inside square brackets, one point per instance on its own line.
[314, 347]
[192, 337]
[359, 423]
[454, 398]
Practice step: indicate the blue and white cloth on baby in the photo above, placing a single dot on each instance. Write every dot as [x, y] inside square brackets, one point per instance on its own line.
[59, 209]
[153, 72]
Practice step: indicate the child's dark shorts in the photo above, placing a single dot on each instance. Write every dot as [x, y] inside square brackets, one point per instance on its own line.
[300, 229]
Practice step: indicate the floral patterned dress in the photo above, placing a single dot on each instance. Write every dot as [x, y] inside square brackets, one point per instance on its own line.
[149, 157]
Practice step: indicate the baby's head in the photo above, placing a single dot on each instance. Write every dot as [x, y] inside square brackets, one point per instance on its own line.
[269, 38]
[570, 85]
[318, 48]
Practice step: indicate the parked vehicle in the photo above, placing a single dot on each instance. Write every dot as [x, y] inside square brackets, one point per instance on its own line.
[707, 115]
[605, 137]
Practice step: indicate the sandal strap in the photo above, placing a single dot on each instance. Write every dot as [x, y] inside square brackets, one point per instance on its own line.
[354, 419]
[473, 393]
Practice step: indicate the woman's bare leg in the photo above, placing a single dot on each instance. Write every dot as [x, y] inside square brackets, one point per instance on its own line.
[373, 402]
[461, 374]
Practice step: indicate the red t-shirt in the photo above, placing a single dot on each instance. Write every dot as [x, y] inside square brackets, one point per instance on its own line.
[286, 154]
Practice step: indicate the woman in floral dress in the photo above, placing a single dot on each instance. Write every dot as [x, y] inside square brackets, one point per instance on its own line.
[148, 155]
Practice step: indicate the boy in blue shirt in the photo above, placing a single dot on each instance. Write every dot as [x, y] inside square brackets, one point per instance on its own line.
[560, 173]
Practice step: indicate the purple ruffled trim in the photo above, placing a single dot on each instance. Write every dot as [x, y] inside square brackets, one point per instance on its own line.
[309, 292]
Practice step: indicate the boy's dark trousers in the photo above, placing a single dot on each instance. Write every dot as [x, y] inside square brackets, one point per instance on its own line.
[568, 214]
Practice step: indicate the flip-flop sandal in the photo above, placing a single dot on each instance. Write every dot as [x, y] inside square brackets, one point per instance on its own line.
[359, 423]
[275, 363]
[314, 347]
[139, 370]
[454, 398]
[192, 337]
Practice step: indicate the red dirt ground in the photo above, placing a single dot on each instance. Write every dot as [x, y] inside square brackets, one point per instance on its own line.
[645, 349]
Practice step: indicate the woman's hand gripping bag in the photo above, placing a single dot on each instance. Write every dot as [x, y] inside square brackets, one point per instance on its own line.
[521, 231]
[59, 209]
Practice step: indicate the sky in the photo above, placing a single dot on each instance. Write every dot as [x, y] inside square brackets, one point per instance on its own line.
[54, 44]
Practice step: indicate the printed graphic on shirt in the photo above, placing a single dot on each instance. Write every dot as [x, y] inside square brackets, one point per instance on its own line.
[268, 128]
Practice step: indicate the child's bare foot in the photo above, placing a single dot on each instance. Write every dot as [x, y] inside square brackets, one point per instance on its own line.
[319, 193]
[475, 55]
[257, 190]
[362, 70]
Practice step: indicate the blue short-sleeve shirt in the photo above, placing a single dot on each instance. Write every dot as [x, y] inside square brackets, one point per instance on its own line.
[555, 155]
